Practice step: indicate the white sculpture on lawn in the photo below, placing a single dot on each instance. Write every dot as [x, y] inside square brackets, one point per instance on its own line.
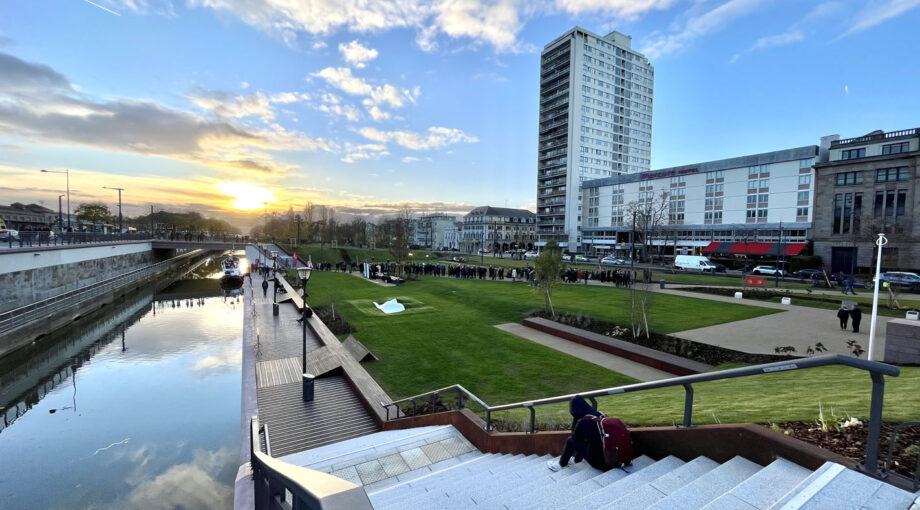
[391, 306]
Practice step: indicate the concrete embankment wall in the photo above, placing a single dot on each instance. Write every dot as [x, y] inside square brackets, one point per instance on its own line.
[27, 276]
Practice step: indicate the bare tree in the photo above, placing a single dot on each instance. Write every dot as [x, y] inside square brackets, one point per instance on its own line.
[647, 216]
[399, 244]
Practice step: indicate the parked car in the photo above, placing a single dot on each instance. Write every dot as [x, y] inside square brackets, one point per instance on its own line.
[718, 268]
[579, 258]
[809, 274]
[530, 255]
[902, 279]
[7, 233]
[768, 270]
[610, 260]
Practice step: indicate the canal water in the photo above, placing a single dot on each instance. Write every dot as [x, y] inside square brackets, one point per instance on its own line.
[136, 407]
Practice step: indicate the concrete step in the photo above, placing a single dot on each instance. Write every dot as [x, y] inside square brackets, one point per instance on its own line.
[561, 488]
[626, 484]
[661, 487]
[708, 487]
[608, 477]
[834, 486]
[764, 488]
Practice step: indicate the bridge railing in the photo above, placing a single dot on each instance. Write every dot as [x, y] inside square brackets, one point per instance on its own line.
[876, 371]
[29, 239]
[26, 314]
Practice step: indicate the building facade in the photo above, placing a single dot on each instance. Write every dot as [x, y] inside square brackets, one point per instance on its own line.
[432, 230]
[687, 209]
[869, 186]
[498, 229]
[452, 236]
[29, 217]
[595, 121]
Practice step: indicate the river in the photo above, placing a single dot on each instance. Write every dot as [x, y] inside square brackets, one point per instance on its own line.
[135, 407]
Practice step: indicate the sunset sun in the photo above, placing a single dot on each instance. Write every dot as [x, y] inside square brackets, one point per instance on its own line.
[248, 196]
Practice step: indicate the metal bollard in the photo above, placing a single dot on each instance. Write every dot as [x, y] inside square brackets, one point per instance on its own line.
[661, 284]
[275, 309]
[308, 387]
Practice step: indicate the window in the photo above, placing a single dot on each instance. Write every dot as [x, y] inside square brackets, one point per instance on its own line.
[752, 199]
[679, 192]
[752, 213]
[753, 171]
[761, 213]
[765, 183]
[801, 211]
[678, 179]
[763, 198]
[849, 178]
[752, 185]
[805, 163]
[892, 174]
[896, 148]
[617, 199]
[714, 215]
[715, 175]
[853, 153]
[803, 196]
[804, 179]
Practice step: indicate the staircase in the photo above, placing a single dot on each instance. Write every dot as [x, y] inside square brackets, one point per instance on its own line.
[436, 467]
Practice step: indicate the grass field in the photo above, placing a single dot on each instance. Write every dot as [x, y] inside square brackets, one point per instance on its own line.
[448, 335]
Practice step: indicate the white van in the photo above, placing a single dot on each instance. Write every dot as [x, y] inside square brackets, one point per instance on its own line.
[693, 262]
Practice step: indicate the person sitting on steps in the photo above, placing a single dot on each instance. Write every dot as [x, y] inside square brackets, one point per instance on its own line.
[585, 441]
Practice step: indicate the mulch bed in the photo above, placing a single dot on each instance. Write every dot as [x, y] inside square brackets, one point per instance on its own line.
[851, 443]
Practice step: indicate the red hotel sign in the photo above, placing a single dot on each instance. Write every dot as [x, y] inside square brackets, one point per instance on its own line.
[755, 280]
[660, 174]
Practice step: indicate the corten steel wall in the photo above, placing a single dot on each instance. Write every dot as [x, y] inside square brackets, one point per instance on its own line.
[27, 276]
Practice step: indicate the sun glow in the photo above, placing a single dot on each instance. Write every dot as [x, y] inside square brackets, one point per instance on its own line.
[248, 196]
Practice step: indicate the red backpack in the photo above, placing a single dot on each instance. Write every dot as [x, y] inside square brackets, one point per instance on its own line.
[618, 447]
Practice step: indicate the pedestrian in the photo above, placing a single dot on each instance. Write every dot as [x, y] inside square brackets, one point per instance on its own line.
[264, 288]
[843, 315]
[585, 441]
[856, 315]
[848, 285]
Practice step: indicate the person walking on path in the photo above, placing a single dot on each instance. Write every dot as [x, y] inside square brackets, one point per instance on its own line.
[585, 441]
[856, 315]
[264, 288]
[848, 285]
[844, 316]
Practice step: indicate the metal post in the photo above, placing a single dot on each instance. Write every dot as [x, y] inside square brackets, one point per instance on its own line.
[533, 419]
[870, 467]
[488, 420]
[308, 387]
[881, 241]
[688, 405]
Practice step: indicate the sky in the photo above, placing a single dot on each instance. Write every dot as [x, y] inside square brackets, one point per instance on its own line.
[232, 107]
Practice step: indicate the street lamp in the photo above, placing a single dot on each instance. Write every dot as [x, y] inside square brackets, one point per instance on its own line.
[304, 274]
[60, 216]
[274, 282]
[67, 172]
[881, 241]
[119, 205]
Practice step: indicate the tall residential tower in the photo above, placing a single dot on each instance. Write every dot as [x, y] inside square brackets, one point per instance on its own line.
[595, 121]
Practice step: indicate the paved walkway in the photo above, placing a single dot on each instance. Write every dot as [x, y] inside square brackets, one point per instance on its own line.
[617, 364]
[797, 326]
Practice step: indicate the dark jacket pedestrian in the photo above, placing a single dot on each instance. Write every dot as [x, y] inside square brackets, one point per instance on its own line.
[585, 441]
[856, 315]
[843, 315]
[264, 288]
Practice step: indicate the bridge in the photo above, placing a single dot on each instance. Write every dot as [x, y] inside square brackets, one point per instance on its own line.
[32, 241]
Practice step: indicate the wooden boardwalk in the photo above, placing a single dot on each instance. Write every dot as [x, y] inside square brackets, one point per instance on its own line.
[337, 412]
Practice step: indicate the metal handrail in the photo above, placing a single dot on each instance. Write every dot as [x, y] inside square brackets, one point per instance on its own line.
[460, 391]
[23, 315]
[273, 479]
[894, 435]
[876, 370]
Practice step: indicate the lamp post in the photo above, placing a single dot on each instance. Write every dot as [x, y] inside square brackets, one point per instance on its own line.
[60, 215]
[304, 274]
[119, 205]
[67, 172]
[881, 241]
[778, 252]
[274, 282]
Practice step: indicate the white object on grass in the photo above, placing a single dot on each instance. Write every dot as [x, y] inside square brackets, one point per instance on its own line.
[391, 306]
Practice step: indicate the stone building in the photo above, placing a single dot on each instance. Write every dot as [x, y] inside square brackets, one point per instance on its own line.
[432, 231]
[28, 217]
[868, 185]
[498, 229]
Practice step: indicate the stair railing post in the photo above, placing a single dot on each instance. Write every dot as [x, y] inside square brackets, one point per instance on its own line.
[488, 420]
[533, 419]
[459, 399]
[688, 405]
[870, 467]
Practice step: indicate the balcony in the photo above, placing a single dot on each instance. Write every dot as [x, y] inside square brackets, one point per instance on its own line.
[557, 74]
[555, 104]
[875, 137]
[551, 173]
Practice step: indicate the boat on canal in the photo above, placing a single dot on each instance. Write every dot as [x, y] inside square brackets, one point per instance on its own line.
[230, 267]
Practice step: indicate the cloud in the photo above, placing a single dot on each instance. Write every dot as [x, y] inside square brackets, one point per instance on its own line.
[244, 85]
[39, 104]
[378, 114]
[435, 138]
[318, 45]
[356, 54]
[409, 159]
[355, 152]
[192, 485]
[497, 23]
[846, 89]
[876, 13]
[794, 33]
[342, 79]
[700, 25]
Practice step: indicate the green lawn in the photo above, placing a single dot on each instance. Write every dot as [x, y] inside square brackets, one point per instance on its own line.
[447, 335]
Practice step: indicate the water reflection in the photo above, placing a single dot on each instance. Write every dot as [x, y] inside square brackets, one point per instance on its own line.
[137, 407]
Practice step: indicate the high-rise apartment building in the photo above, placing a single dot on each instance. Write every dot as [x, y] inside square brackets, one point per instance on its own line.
[595, 122]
